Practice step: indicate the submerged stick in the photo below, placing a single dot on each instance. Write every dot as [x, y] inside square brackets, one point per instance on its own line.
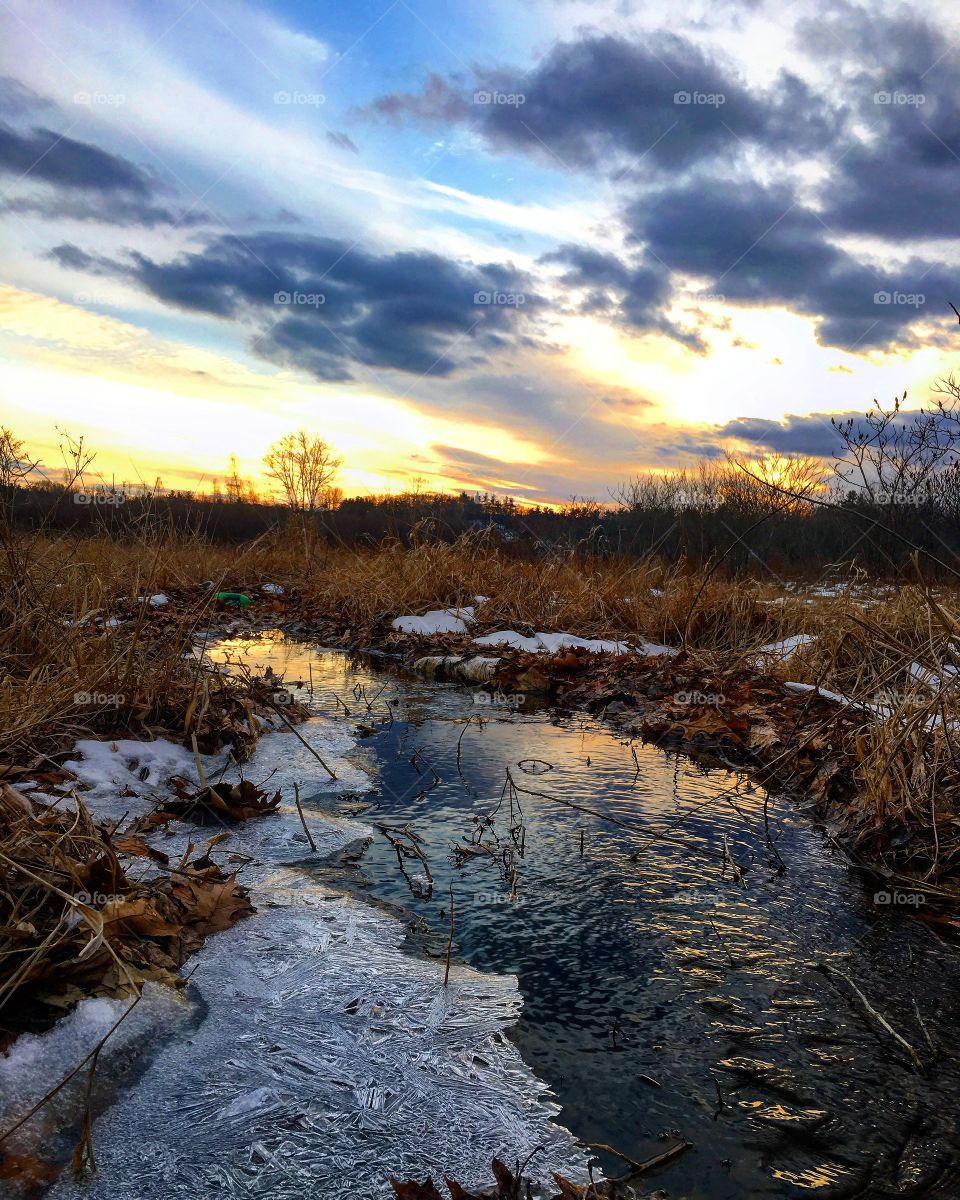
[303, 819]
[648, 1163]
[293, 730]
[878, 1017]
[446, 973]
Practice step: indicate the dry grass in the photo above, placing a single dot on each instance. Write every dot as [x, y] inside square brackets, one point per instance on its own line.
[866, 637]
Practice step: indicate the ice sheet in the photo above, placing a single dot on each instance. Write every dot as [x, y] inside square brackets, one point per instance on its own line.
[327, 1060]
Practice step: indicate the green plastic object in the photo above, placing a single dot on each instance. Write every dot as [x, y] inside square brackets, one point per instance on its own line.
[237, 598]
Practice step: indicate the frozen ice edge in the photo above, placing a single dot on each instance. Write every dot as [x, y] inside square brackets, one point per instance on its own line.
[327, 1058]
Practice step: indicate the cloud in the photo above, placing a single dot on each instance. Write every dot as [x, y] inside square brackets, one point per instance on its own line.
[327, 306]
[756, 244]
[900, 178]
[65, 162]
[342, 141]
[811, 434]
[633, 294]
[62, 177]
[590, 102]
[438, 101]
[17, 99]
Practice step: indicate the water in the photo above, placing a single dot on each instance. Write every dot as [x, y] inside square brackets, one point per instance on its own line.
[670, 944]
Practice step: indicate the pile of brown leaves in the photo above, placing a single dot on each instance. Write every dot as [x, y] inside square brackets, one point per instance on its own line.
[73, 923]
[234, 801]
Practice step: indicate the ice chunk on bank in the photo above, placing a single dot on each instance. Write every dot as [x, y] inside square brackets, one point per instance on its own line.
[439, 620]
[477, 669]
[127, 775]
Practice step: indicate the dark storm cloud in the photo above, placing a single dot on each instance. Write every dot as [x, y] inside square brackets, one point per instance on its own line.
[887, 127]
[327, 306]
[58, 176]
[902, 178]
[54, 158]
[806, 435]
[812, 434]
[633, 294]
[603, 98]
[759, 245]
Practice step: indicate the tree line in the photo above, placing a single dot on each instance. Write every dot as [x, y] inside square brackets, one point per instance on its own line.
[890, 491]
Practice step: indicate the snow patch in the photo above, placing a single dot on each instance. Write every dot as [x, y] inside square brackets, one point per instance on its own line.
[552, 643]
[439, 620]
[785, 648]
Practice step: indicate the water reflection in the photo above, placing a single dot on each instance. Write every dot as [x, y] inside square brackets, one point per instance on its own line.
[668, 926]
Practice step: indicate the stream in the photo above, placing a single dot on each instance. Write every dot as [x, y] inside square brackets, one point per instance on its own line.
[670, 970]
[695, 964]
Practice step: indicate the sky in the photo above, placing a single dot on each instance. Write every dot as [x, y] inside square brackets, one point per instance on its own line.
[532, 247]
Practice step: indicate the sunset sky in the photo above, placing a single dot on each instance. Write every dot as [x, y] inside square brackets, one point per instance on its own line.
[526, 246]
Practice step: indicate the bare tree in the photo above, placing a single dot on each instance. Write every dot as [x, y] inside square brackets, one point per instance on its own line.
[751, 485]
[304, 466]
[76, 459]
[896, 455]
[236, 487]
[15, 463]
